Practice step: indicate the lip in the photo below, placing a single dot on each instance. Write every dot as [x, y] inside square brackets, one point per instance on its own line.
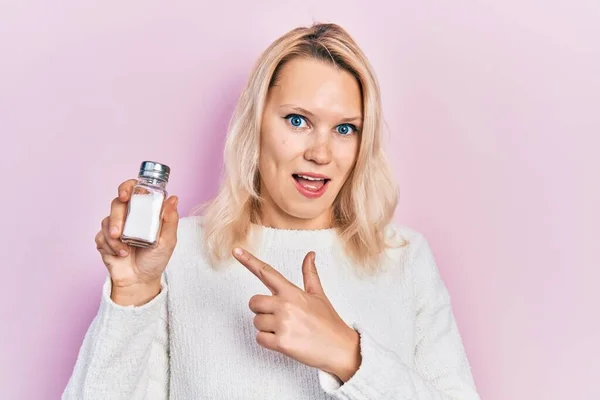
[311, 194]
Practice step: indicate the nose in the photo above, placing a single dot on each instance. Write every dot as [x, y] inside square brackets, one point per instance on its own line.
[319, 148]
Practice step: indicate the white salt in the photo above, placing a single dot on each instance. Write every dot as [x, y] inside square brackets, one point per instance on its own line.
[143, 220]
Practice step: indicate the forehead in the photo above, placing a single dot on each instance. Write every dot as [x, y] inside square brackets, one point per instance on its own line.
[317, 86]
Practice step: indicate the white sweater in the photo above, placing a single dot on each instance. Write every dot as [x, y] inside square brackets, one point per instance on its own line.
[196, 339]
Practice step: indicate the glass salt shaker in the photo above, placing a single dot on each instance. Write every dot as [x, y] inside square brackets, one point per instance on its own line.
[143, 221]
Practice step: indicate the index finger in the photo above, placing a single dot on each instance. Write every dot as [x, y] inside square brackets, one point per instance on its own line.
[272, 278]
[118, 207]
[125, 188]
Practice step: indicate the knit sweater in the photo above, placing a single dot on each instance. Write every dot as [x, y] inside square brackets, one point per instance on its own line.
[196, 339]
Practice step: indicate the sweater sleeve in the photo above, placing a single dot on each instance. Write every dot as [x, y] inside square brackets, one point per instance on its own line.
[441, 369]
[124, 354]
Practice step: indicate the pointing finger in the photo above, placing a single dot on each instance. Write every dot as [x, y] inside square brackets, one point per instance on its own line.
[272, 279]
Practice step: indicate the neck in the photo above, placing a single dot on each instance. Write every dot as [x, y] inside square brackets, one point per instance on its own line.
[272, 216]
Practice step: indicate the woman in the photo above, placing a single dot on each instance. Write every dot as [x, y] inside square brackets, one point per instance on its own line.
[230, 305]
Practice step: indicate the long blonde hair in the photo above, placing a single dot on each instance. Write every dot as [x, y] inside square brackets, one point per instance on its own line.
[366, 202]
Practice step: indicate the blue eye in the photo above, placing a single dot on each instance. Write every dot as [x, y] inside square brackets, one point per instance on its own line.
[297, 121]
[346, 129]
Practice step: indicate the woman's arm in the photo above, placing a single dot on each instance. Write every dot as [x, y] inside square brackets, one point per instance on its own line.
[125, 352]
[441, 370]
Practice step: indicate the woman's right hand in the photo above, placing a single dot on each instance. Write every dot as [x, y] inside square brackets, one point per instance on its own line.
[135, 272]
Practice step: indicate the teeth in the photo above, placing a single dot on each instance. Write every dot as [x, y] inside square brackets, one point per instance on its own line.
[310, 178]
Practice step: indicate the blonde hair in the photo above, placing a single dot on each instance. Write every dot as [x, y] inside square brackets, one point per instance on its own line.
[366, 202]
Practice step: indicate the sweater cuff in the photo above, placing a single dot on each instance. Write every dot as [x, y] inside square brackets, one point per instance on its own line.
[376, 378]
[141, 315]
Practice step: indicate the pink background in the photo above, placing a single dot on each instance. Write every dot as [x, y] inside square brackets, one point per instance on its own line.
[493, 113]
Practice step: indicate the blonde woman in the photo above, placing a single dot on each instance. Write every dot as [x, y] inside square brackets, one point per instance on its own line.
[291, 283]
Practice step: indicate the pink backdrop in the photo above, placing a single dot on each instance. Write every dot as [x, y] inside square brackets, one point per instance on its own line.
[491, 110]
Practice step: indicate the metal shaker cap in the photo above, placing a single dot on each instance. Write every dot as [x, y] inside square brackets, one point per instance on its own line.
[152, 169]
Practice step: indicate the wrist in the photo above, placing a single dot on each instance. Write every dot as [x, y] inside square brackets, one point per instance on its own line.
[350, 358]
[136, 294]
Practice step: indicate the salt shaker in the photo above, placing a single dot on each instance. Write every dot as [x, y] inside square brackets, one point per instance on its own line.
[143, 220]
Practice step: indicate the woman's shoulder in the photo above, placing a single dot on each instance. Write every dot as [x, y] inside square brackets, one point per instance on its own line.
[189, 232]
[409, 247]
[396, 232]
[191, 223]
[404, 237]
[188, 252]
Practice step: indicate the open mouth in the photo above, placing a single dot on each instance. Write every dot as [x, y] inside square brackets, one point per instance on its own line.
[312, 183]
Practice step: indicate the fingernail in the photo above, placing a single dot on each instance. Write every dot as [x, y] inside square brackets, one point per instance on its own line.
[237, 251]
[123, 253]
[114, 230]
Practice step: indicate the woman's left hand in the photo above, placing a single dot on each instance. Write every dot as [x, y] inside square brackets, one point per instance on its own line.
[301, 324]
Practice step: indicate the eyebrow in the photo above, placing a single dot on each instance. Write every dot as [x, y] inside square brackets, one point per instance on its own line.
[304, 111]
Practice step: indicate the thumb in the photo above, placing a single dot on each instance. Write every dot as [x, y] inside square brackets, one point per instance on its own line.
[170, 220]
[312, 282]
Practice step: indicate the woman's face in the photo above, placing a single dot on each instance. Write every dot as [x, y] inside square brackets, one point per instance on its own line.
[309, 143]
